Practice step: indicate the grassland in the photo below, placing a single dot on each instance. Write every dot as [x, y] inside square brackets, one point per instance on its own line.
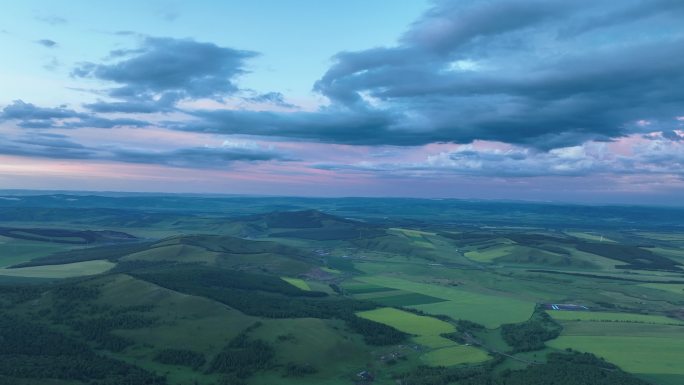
[643, 355]
[408, 322]
[454, 355]
[406, 299]
[297, 282]
[491, 253]
[393, 266]
[489, 310]
[612, 317]
[417, 238]
[672, 288]
[363, 288]
[589, 236]
[69, 270]
[652, 350]
[15, 251]
[427, 332]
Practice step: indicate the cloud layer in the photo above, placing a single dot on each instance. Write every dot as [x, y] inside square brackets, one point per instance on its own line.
[163, 71]
[492, 88]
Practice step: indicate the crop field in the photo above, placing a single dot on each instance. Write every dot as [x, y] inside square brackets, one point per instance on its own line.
[77, 269]
[297, 282]
[491, 253]
[408, 322]
[406, 299]
[612, 317]
[598, 328]
[363, 288]
[454, 355]
[489, 310]
[640, 355]
[651, 350]
[426, 331]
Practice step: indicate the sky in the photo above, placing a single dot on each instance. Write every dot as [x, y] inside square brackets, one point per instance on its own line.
[544, 100]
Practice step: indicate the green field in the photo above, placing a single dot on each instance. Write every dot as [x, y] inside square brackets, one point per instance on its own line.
[215, 282]
[643, 355]
[297, 282]
[489, 310]
[412, 233]
[612, 317]
[454, 355]
[407, 299]
[650, 349]
[427, 331]
[363, 288]
[408, 322]
[60, 271]
[671, 287]
[491, 253]
[589, 236]
[15, 251]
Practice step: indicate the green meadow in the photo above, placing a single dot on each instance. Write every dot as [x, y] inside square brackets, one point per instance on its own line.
[641, 355]
[454, 355]
[297, 282]
[265, 295]
[408, 322]
[612, 317]
[427, 332]
[489, 310]
[69, 270]
[672, 288]
[15, 251]
[491, 253]
[589, 236]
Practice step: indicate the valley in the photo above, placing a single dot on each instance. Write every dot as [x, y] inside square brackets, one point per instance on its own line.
[261, 291]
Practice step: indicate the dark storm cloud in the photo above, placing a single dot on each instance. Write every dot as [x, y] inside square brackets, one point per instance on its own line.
[204, 157]
[132, 106]
[537, 73]
[628, 12]
[488, 70]
[55, 146]
[503, 70]
[45, 146]
[450, 25]
[339, 126]
[170, 70]
[21, 110]
[28, 115]
[47, 43]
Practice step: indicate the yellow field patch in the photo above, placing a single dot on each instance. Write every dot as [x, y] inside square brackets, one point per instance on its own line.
[297, 282]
